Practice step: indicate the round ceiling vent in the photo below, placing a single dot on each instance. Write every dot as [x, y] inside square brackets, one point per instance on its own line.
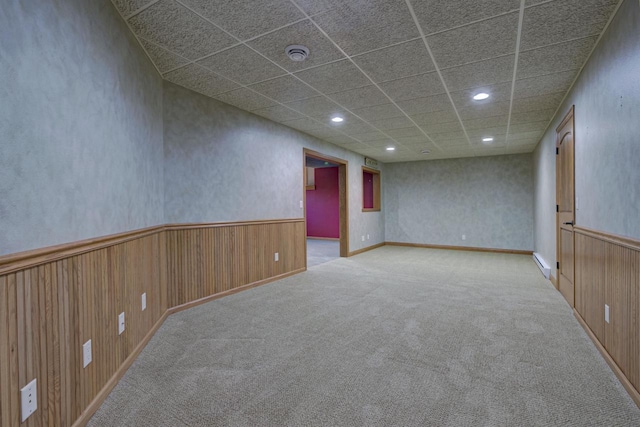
[296, 52]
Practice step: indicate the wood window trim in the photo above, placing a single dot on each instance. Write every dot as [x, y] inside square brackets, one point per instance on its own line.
[377, 205]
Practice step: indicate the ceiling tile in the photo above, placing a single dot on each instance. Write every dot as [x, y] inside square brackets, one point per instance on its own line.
[437, 117]
[334, 77]
[177, 29]
[483, 40]
[414, 140]
[442, 127]
[361, 97]
[477, 74]
[371, 136]
[538, 102]
[529, 127]
[303, 124]
[561, 20]
[392, 123]
[285, 89]
[488, 122]
[532, 116]
[247, 18]
[438, 15]
[127, 7]
[163, 59]
[356, 127]
[376, 112]
[343, 140]
[498, 140]
[362, 25]
[545, 84]
[403, 60]
[242, 65]
[410, 131]
[521, 149]
[534, 135]
[245, 99]
[427, 104]
[449, 136]
[479, 111]
[552, 59]
[413, 87]
[278, 113]
[324, 133]
[500, 92]
[200, 79]
[273, 45]
[317, 107]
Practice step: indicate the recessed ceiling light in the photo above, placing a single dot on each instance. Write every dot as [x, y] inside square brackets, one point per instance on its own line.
[391, 148]
[296, 52]
[426, 151]
[337, 119]
[480, 96]
[487, 139]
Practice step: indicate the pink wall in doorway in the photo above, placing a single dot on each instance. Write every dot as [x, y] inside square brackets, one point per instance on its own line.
[323, 205]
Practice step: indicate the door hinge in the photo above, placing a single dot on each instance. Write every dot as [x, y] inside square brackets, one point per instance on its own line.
[557, 208]
[558, 265]
[557, 151]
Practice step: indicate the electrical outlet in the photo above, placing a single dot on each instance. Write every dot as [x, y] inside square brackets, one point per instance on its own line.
[301, 204]
[363, 238]
[606, 313]
[121, 323]
[28, 399]
[276, 257]
[367, 237]
[464, 237]
[144, 301]
[86, 354]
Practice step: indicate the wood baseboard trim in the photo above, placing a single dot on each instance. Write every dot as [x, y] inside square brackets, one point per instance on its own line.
[461, 248]
[209, 298]
[113, 381]
[336, 239]
[635, 395]
[368, 248]
[553, 281]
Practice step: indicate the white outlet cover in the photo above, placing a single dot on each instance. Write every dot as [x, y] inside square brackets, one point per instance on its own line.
[606, 313]
[144, 301]
[464, 237]
[301, 204]
[276, 257]
[367, 237]
[28, 399]
[86, 354]
[121, 323]
[363, 238]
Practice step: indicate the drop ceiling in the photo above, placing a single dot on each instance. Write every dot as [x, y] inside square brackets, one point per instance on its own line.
[401, 73]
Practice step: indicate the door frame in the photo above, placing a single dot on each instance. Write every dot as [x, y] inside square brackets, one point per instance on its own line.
[343, 196]
[569, 116]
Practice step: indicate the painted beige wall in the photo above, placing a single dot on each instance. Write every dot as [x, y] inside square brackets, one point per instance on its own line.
[225, 164]
[607, 140]
[80, 125]
[488, 199]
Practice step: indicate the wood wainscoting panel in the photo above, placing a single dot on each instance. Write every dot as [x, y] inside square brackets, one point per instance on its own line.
[608, 272]
[590, 277]
[48, 310]
[216, 258]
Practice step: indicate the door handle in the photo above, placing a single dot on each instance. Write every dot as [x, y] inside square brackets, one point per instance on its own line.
[568, 223]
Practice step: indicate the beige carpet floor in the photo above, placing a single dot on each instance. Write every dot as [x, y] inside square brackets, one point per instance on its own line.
[394, 336]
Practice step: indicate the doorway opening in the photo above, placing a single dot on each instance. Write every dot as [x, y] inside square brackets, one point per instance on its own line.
[325, 207]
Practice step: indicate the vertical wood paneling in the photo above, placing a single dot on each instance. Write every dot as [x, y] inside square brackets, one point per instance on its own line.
[608, 272]
[51, 307]
[208, 260]
[49, 310]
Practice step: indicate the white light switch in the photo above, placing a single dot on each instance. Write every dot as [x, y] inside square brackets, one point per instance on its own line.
[28, 399]
[276, 257]
[144, 301]
[301, 204]
[121, 323]
[367, 237]
[363, 238]
[86, 354]
[606, 313]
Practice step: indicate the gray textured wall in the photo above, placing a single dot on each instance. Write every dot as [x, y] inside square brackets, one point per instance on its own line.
[488, 199]
[224, 164]
[607, 139]
[80, 125]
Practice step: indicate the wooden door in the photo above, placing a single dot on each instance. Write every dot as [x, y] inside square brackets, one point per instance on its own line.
[565, 208]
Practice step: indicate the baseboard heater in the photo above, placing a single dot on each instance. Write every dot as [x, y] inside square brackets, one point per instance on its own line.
[542, 265]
